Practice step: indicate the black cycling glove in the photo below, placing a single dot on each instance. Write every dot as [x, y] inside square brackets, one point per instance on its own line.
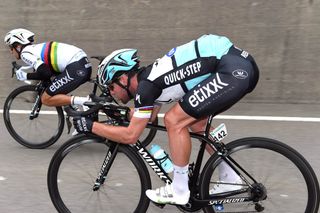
[83, 124]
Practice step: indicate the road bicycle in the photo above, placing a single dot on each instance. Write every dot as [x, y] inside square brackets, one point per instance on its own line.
[89, 173]
[37, 126]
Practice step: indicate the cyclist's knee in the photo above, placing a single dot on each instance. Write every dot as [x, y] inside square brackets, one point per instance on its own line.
[173, 120]
[169, 120]
[199, 126]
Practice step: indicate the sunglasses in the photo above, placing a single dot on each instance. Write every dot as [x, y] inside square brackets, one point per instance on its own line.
[111, 85]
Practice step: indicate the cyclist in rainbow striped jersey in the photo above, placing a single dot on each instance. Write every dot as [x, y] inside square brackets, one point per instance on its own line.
[65, 66]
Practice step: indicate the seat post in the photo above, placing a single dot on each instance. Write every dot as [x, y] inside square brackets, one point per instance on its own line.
[210, 118]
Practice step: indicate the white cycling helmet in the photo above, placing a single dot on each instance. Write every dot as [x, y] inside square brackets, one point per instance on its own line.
[20, 36]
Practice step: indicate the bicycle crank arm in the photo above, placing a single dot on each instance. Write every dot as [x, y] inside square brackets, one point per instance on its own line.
[161, 206]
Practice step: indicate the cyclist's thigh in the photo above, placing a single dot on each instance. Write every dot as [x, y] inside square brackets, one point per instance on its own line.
[75, 74]
[221, 90]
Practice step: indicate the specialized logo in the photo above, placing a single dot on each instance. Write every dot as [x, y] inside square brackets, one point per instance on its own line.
[118, 60]
[104, 165]
[138, 98]
[183, 73]
[240, 74]
[152, 164]
[171, 52]
[206, 91]
[57, 84]
[229, 200]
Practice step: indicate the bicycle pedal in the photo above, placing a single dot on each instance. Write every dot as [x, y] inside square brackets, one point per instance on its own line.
[158, 204]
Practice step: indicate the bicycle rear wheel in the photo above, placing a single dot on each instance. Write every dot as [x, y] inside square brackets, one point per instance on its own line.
[36, 133]
[75, 167]
[287, 178]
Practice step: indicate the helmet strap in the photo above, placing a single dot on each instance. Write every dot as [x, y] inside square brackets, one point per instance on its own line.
[18, 50]
[126, 87]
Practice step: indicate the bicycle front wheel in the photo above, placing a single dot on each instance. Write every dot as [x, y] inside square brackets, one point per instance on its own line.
[73, 171]
[285, 180]
[39, 132]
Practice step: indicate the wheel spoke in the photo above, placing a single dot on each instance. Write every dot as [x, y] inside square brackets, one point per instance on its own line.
[78, 170]
[282, 174]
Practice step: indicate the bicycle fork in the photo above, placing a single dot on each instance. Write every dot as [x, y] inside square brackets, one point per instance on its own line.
[36, 108]
[106, 165]
[37, 104]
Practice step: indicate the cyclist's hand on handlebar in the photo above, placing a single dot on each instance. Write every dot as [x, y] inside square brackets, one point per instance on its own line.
[21, 75]
[83, 124]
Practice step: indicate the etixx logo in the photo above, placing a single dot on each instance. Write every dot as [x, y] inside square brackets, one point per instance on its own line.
[240, 74]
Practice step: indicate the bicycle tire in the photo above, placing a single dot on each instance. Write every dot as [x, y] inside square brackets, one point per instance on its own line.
[293, 188]
[70, 171]
[28, 132]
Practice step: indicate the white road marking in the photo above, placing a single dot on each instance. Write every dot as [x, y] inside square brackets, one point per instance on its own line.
[223, 117]
[264, 118]
[2, 178]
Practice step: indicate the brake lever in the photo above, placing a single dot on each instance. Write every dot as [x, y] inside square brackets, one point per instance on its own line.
[69, 124]
[13, 69]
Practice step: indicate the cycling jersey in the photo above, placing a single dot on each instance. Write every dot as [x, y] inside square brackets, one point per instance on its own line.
[193, 74]
[56, 55]
[69, 65]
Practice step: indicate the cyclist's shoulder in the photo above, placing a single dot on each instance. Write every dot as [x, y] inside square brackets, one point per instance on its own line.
[31, 47]
[146, 82]
[58, 44]
[214, 37]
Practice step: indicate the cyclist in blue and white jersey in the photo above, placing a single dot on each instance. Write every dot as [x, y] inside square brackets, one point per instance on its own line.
[205, 76]
[66, 65]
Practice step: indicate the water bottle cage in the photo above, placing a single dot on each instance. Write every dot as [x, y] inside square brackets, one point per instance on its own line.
[161, 160]
[190, 169]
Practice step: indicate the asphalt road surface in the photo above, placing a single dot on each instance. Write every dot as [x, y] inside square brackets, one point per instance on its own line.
[23, 186]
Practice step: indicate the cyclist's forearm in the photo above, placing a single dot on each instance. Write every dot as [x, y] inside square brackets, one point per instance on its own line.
[121, 134]
[155, 112]
[115, 133]
[42, 73]
[33, 76]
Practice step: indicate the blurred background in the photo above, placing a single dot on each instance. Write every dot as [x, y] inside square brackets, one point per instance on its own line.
[283, 36]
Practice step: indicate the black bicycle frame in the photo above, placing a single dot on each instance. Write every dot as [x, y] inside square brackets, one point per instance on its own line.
[193, 180]
[40, 88]
[152, 162]
[106, 165]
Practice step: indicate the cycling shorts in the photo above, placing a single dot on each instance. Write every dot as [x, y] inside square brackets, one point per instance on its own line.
[235, 75]
[76, 73]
